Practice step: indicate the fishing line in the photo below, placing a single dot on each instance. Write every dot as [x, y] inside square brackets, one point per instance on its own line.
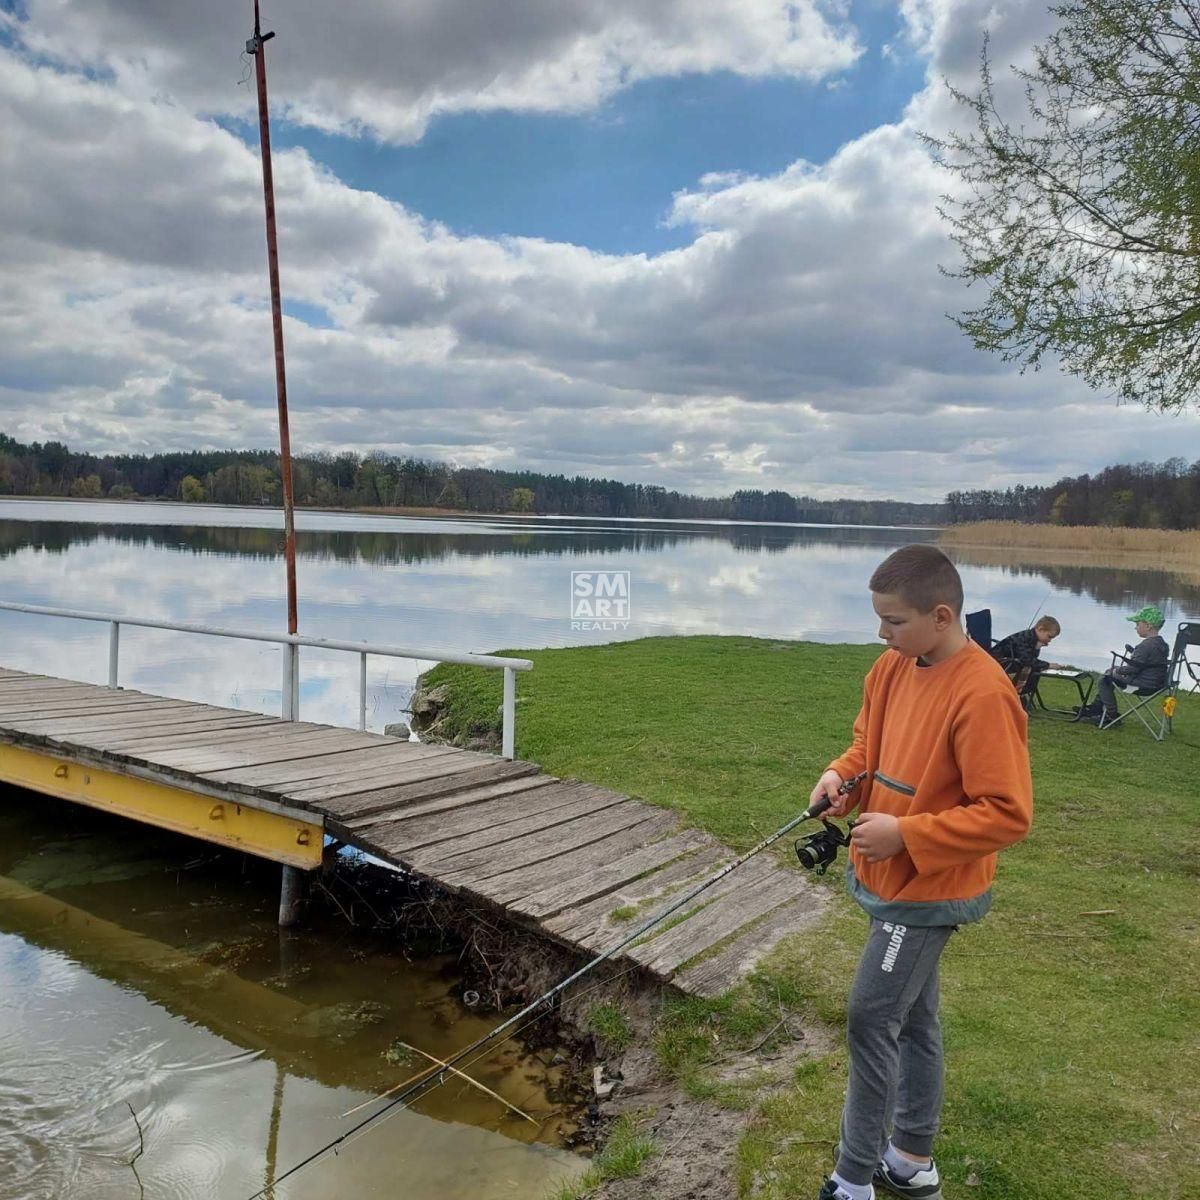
[436, 1075]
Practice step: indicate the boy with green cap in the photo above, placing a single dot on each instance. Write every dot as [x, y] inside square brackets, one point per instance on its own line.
[1144, 668]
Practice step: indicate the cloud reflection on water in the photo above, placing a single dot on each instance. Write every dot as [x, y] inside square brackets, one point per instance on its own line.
[470, 586]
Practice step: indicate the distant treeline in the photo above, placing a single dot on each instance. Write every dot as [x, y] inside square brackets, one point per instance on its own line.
[383, 481]
[1144, 495]
[1140, 495]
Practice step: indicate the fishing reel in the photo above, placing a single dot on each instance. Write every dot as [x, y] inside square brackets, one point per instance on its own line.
[818, 851]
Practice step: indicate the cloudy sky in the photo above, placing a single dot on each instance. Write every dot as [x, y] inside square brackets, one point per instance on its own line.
[688, 242]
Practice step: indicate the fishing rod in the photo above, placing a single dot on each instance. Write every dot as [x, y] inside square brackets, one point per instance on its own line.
[434, 1076]
[1039, 609]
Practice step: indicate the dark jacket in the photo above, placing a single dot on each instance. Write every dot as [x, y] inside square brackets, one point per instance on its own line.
[1145, 668]
[1020, 649]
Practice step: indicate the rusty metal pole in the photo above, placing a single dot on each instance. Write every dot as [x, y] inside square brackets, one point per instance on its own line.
[291, 889]
[255, 47]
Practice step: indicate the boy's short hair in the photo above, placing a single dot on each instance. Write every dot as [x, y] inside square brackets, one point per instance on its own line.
[922, 576]
[1049, 624]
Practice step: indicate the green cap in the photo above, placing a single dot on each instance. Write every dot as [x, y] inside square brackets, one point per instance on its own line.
[1149, 614]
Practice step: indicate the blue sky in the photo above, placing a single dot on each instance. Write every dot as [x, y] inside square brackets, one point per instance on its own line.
[692, 243]
[605, 179]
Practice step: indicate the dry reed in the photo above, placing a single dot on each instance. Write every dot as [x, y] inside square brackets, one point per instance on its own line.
[1168, 547]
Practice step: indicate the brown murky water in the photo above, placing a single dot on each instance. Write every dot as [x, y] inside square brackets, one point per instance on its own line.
[143, 982]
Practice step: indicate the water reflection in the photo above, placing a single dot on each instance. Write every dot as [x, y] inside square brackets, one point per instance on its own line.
[427, 540]
[142, 979]
[478, 586]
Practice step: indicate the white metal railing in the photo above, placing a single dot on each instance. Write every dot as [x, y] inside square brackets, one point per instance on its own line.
[291, 642]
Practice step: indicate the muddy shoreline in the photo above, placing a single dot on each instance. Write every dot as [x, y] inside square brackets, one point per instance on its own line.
[504, 967]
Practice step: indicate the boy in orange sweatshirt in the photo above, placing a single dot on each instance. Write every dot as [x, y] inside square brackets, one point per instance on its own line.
[942, 734]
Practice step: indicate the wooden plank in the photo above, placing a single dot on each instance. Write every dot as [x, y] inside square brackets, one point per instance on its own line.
[259, 751]
[513, 885]
[14, 690]
[474, 870]
[408, 830]
[644, 880]
[27, 687]
[293, 729]
[216, 758]
[537, 845]
[207, 712]
[130, 720]
[76, 699]
[359, 805]
[750, 875]
[458, 762]
[273, 734]
[186, 772]
[12, 698]
[44, 684]
[356, 762]
[666, 953]
[199, 736]
[17, 688]
[606, 876]
[175, 707]
[87, 733]
[452, 802]
[62, 689]
[44, 710]
[716, 975]
[476, 829]
[124, 746]
[35, 697]
[280, 780]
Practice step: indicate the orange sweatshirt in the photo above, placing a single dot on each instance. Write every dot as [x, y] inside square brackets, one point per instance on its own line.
[946, 749]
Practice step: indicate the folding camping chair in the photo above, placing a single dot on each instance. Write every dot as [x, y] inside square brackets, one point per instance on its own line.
[1158, 725]
[1024, 679]
[979, 627]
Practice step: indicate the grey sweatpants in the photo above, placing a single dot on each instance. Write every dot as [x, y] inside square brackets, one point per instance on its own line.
[895, 1042]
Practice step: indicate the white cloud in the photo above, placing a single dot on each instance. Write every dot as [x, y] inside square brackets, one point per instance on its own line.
[799, 340]
[388, 69]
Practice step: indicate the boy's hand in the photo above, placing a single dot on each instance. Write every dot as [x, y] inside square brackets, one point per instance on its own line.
[876, 836]
[828, 785]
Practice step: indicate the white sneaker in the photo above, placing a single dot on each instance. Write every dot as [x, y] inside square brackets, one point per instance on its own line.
[833, 1191]
[924, 1185]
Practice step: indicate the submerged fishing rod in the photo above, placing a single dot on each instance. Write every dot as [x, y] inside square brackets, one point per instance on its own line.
[434, 1076]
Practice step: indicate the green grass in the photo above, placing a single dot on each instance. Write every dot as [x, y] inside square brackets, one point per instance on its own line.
[621, 1158]
[609, 1023]
[1073, 1058]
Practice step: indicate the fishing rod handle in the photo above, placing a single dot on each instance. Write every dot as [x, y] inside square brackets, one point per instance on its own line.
[823, 805]
[815, 810]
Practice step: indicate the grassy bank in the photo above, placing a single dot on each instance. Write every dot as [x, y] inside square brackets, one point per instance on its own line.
[1070, 1014]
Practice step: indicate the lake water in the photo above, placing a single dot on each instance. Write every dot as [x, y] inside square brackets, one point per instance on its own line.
[152, 1013]
[470, 585]
[141, 971]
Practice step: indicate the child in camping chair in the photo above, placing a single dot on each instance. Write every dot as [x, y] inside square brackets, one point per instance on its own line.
[1142, 669]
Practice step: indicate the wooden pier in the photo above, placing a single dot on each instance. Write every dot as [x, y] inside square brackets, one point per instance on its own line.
[569, 859]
